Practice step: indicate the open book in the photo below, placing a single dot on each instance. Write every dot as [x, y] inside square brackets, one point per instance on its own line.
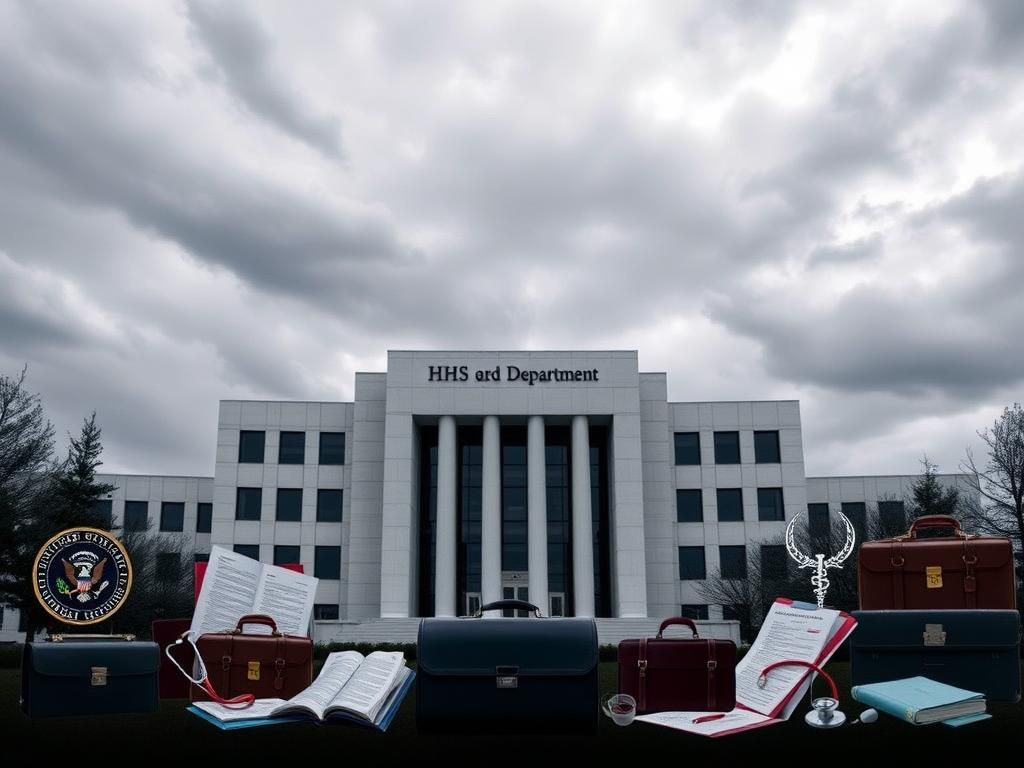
[236, 585]
[363, 689]
[790, 631]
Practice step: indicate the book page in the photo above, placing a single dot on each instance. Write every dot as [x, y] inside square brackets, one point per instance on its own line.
[787, 633]
[366, 691]
[228, 593]
[336, 672]
[260, 708]
[288, 597]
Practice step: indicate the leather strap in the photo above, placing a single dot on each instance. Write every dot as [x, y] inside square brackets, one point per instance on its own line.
[896, 560]
[712, 667]
[970, 583]
[642, 670]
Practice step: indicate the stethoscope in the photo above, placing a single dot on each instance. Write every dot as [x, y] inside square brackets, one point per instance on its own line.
[238, 702]
[824, 710]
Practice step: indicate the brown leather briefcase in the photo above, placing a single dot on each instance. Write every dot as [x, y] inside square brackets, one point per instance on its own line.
[936, 573]
[267, 666]
[678, 674]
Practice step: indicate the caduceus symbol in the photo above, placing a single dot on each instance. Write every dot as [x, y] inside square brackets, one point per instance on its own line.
[819, 562]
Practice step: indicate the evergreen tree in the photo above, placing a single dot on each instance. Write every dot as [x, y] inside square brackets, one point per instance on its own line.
[77, 492]
[930, 497]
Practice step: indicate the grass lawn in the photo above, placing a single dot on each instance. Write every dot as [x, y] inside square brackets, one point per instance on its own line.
[178, 735]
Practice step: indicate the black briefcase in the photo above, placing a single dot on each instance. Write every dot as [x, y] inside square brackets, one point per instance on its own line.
[974, 650]
[89, 675]
[501, 674]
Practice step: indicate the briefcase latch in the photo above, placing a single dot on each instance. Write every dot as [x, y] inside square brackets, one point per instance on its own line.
[99, 676]
[507, 677]
[933, 634]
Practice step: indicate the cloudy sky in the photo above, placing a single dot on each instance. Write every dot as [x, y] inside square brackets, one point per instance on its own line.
[823, 201]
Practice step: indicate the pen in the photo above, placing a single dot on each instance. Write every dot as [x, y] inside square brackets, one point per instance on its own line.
[706, 718]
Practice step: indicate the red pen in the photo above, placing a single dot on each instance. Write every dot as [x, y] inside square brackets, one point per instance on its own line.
[706, 718]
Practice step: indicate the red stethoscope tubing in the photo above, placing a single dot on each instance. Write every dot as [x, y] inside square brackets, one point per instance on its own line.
[798, 663]
[241, 701]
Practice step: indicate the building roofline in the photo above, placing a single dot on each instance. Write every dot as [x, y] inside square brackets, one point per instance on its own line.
[847, 477]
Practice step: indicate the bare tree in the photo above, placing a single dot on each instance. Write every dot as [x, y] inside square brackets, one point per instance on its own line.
[1000, 483]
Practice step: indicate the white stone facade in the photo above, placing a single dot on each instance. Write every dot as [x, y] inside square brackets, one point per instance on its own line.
[369, 561]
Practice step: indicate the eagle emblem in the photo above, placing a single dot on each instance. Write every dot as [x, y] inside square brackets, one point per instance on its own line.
[82, 573]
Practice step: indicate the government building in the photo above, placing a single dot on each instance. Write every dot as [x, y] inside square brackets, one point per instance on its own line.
[566, 479]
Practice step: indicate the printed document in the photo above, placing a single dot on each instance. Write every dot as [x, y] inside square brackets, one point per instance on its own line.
[236, 585]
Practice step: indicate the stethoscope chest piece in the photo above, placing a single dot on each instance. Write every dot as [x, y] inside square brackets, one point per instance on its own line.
[825, 713]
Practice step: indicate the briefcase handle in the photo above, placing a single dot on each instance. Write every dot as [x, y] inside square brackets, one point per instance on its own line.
[678, 620]
[498, 605]
[256, 618]
[935, 521]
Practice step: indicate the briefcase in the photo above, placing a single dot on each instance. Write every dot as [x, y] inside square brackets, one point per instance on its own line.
[974, 650]
[678, 674]
[948, 572]
[89, 675]
[269, 666]
[501, 674]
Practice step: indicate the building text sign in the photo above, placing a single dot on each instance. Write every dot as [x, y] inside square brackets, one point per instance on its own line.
[458, 373]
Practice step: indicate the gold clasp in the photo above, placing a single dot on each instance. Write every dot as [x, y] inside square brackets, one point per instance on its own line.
[99, 676]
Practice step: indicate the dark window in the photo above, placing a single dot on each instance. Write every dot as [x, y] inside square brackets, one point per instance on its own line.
[687, 448]
[286, 554]
[470, 510]
[689, 505]
[327, 563]
[730, 505]
[248, 502]
[204, 517]
[769, 504]
[250, 447]
[292, 449]
[773, 561]
[325, 611]
[172, 516]
[557, 486]
[332, 447]
[249, 550]
[289, 505]
[168, 566]
[691, 563]
[513, 499]
[136, 515]
[892, 517]
[766, 447]
[857, 513]
[328, 505]
[733, 562]
[103, 509]
[819, 527]
[727, 447]
[694, 611]
[201, 557]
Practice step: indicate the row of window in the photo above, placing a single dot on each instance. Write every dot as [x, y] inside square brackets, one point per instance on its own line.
[291, 449]
[699, 612]
[727, 447]
[732, 562]
[690, 505]
[326, 560]
[249, 504]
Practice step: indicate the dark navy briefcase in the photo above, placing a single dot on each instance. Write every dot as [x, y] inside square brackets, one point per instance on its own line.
[974, 650]
[532, 674]
[89, 675]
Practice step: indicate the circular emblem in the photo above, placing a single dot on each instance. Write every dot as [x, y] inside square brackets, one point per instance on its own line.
[82, 575]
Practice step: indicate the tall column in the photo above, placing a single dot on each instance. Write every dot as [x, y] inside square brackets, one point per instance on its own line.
[447, 528]
[490, 523]
[582, 522]
[537, 513]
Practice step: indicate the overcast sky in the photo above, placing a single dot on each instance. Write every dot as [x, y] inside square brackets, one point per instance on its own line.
[823, 201]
